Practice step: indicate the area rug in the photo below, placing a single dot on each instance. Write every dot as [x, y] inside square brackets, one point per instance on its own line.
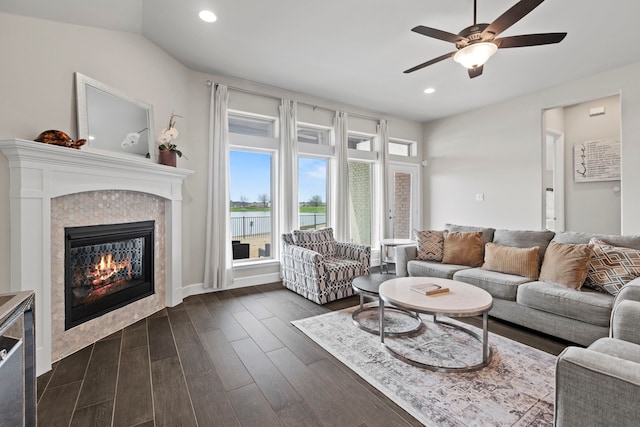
[515, 389]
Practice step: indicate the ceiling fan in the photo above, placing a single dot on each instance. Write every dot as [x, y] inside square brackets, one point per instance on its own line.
[477, 43]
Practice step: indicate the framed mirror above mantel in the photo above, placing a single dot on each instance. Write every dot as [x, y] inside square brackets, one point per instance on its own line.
[581, 181]
[111, 120]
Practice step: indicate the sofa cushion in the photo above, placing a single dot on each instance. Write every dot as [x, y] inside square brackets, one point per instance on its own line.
[321, 241]
[487, 233]
[510, 260]
[587, 306]
[524, 239]
[341, 270]
[566, 265]
[499, 285]
[463, 248]
[584, 238]
[288, 238]
[611, 267]
[430, 245]
[433, 269]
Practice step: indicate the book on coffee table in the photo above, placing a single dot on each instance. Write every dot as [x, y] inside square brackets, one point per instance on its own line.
[429, 289]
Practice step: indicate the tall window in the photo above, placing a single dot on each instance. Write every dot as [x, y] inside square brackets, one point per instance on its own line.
[251, 200]
[360, 200]
[312, 192]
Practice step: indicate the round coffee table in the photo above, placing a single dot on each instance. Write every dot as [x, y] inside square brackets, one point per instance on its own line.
[462, 300]
[368, 286]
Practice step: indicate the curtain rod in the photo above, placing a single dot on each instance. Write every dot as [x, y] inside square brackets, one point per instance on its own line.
[314, 106]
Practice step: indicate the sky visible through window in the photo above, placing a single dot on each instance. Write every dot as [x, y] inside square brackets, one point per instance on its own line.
[312, 179]
[250, 176]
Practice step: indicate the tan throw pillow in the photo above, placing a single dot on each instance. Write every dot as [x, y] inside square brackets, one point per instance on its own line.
[611, 267]
[430, 245]
[463, 248]
[510, 260]
[566, 265]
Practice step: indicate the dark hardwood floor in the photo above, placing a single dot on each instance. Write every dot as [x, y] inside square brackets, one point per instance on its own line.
[228, 358]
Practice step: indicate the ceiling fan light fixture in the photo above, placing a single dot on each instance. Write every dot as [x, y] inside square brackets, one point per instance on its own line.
[475, 55]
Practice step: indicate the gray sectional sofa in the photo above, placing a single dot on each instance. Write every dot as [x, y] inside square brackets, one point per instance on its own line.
[600, 385]
[581, 316]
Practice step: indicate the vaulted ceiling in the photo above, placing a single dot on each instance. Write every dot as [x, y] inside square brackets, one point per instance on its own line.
[355, 51]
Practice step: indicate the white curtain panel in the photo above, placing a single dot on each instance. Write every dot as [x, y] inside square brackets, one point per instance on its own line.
[383, 138]
[218, 271]
[340, 187]
[289, 170]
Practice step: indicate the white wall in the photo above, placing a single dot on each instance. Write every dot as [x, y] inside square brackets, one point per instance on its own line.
[37, 89]
[37, 86]
[497, 151]
[591, 206]
[198, 94]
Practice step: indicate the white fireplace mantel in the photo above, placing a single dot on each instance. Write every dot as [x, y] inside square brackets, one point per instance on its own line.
[40, 172]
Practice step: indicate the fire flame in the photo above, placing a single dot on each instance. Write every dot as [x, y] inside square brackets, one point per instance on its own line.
[107, 268]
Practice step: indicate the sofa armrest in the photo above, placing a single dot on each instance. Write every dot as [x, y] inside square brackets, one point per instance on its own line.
[302, 264]
[596, 389]
[404, 254]
[629, 292]
[300, 253]
[625, 319]
[355, 252]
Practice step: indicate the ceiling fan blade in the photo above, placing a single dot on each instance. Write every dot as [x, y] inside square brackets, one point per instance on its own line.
[529, 40]
[475, 72]
[510, 17]
[426, 64]
[438, 34]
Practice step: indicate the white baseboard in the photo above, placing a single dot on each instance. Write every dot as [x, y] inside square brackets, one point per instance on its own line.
[260, 279]
[240, 282]
[194, 289]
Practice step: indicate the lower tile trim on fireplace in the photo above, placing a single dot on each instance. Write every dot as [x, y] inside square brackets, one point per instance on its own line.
[95, 208]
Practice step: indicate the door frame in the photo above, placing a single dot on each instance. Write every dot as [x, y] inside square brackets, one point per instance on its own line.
[413, 170]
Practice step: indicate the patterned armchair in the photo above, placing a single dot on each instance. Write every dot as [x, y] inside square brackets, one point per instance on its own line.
[319, 268]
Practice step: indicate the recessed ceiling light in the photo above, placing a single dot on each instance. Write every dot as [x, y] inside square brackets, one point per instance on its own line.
[208, 16]
[429, 90]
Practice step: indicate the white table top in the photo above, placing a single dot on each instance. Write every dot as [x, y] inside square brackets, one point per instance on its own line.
[396, 242]
[462, 298]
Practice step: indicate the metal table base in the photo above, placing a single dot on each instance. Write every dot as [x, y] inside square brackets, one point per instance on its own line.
[487, 352]
[362, 309]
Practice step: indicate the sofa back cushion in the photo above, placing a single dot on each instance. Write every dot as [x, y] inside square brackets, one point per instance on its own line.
[487, 233]
[566, 265]
[631, 241]
[612, 267]
[462, 248]
[321, 241]
[510, 260]
[524, 239]
[288, 238]
[430, 245]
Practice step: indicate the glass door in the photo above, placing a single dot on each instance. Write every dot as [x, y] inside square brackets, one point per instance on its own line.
[403, 201]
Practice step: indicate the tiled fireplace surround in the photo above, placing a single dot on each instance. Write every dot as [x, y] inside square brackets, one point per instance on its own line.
[53, 188]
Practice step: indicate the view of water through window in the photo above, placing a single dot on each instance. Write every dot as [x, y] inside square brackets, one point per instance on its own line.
[251, 200]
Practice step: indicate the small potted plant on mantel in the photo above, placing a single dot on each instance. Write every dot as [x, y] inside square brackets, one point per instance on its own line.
[169, 150]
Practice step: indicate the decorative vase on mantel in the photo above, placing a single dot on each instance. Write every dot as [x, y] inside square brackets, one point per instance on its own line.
[167, 157]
